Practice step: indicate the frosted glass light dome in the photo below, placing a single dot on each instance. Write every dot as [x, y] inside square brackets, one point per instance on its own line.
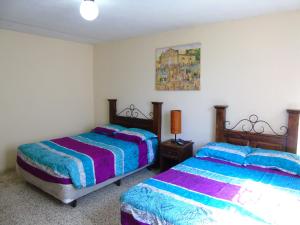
[89, 10]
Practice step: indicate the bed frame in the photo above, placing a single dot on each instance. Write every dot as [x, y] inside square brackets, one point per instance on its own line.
[253, 133]
[128, 117]
[133, 117]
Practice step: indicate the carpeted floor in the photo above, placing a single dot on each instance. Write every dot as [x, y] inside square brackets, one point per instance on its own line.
[23, 204]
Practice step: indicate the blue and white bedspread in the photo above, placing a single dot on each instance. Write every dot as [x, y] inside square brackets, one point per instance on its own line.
[84, 160]
[214, 192]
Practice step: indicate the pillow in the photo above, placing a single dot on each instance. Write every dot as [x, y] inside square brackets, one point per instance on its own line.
[237, 141]
[284, 161]
[135, 135]
[109, 129]
[225, 151]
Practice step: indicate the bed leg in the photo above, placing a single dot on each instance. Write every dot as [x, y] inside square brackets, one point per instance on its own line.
[150, 167]
[73, 203]
[118, 182]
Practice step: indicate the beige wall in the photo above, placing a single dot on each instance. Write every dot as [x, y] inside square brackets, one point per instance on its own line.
[46, 90]
[47, 85]
[253, 65]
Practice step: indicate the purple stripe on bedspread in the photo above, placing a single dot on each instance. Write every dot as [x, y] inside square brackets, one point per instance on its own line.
[199, 184]
[127, 219]
[103, 159]
[274, 171]
[143, 154]
[41, 174]
[104, 130]
[128, 137]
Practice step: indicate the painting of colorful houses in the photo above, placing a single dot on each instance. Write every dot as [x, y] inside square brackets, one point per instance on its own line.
[178, 67]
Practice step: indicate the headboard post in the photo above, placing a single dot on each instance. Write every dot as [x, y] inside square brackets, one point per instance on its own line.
[220, 122]
[157, 111]
[112, 109]
[293, 124]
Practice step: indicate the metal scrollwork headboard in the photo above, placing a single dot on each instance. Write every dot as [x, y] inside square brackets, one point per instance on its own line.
[253, 133]
[252, 123]
[133, 117]
[134, 112]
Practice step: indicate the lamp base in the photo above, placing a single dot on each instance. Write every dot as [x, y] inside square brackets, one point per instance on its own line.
[174, 141]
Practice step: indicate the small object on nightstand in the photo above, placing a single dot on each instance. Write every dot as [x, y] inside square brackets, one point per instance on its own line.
[173, 153]
[180, 142]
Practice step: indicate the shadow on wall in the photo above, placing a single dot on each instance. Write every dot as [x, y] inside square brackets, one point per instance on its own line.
[9, 159]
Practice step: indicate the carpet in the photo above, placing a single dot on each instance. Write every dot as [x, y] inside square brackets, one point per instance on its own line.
[24, 204]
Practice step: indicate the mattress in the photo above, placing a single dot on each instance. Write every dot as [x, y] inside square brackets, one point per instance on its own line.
[213, 192]
[70, 167]
[67, 193]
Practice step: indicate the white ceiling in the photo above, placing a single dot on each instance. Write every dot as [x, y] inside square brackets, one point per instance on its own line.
[120, 19]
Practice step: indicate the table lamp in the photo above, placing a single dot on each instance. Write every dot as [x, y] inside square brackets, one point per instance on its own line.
[175, 123]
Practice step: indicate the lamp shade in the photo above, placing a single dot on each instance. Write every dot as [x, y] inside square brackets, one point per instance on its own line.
[175, 121]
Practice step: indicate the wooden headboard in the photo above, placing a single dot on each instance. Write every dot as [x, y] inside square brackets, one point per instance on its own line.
[286, 140]
[130, 117]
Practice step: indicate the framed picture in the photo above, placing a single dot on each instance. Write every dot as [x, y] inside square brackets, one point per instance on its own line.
[178, 67]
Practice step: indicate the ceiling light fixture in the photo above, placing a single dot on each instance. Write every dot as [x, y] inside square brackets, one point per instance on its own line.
[89, 10]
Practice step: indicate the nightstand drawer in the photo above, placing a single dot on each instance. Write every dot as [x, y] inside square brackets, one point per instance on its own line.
[170, 153]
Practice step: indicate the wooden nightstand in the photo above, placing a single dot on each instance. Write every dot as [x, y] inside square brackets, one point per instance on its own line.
[172, 154]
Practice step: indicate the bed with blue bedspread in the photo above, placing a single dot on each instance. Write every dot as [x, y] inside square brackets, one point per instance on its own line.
[257, 187]
[64, 166]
